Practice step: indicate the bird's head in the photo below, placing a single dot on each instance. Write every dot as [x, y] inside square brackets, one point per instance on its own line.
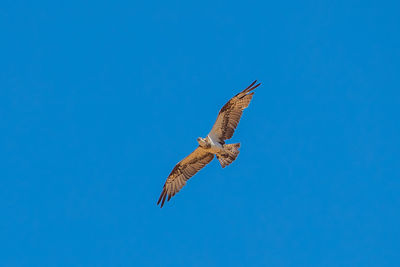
[202, 142]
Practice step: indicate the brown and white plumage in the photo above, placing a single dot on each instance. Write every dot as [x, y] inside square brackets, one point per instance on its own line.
[214, 144]
[185, 169]
[230, 114]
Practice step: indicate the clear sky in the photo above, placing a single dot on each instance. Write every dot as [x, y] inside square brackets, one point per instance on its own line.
[100, 99]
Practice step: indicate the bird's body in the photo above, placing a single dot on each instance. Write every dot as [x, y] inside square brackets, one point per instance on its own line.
[216, 147]
[211, 145]
[226, 153]
[214, 144]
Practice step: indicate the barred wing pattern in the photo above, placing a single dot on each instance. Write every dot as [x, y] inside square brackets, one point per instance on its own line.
[185, 169]
[230, 114]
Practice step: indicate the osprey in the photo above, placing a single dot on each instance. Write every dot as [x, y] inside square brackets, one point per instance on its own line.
[214, 144]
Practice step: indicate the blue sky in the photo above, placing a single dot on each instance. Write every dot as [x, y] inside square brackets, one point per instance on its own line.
[100, 99]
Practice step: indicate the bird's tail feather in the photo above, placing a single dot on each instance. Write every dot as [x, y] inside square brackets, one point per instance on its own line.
[231, 153]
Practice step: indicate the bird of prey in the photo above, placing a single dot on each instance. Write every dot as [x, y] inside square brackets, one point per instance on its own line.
[214, 144]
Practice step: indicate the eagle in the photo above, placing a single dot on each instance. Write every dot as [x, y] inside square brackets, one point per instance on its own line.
[214, 144]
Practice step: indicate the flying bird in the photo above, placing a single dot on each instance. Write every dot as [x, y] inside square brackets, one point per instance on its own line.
[214, 144]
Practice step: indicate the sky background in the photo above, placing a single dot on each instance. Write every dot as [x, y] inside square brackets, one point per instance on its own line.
[100, 99]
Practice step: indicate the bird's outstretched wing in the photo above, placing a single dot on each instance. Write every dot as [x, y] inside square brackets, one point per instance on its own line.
[185, 169]
[230, 114]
